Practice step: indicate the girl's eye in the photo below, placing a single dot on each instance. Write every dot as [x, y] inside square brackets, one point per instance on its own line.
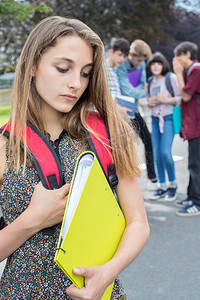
[85, 75]
[61, 70]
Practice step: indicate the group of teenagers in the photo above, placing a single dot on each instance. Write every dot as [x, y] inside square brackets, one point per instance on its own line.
[164, 90]
[61, 75]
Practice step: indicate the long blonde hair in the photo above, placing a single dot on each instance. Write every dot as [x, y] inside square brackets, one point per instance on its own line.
[26, 103]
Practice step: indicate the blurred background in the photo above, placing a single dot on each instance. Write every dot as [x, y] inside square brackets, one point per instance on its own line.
[161, 23]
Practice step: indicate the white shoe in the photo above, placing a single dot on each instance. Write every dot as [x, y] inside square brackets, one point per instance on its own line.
[152, 186]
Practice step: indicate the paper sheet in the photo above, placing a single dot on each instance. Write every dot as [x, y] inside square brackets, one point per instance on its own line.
[81, 176]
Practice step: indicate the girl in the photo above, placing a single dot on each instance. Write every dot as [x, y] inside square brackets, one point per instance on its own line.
[59, 76]
[161, 102]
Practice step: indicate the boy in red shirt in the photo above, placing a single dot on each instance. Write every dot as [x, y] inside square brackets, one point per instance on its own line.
[187, 70]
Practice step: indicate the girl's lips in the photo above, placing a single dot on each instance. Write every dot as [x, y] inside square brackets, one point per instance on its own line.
[69, 97]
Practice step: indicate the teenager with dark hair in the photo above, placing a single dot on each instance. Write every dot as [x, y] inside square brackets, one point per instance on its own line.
[122, 45]
[161, 102]
[187, 69]
[117, 54]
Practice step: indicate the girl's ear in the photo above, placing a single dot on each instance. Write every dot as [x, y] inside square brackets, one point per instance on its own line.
[33, 70]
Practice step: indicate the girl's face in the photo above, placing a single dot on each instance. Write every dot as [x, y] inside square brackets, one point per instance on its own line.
[156, 68]
[63, 74]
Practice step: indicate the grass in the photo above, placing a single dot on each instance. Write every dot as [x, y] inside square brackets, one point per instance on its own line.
[4, 114]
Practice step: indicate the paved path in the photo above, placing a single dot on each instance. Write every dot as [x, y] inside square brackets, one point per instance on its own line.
[168, 267]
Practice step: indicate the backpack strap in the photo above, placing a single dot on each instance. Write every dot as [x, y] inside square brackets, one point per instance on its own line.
[149, 80]
[168, 83]
[45, 161]
[191, 67]
[50, 173]
[103, 152]
[2, 223]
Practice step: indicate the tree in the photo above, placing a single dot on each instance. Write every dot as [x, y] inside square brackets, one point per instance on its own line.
[20, 11]
[14, 17]
[186, 27]
[158, 22]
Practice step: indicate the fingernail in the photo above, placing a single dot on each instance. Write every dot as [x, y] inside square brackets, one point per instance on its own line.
[76, 270]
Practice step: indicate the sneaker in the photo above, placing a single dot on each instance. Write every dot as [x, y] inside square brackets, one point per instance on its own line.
[160, 193]
[183, 203]
[171, 194]
[189, 211]
[152, 186]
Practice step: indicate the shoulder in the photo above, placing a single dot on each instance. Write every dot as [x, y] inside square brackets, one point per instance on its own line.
[150, 79]
[194, 69]
[173, 77]
[2, 156]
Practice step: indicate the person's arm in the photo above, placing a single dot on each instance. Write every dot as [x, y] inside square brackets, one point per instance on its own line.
[46, 209]
[123, 110]
[114, 88]
[126, 87]
[152, 101]
[178, 70]
[161, 98]
[135, 236]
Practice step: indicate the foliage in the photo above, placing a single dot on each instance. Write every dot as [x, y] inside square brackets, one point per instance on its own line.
[131, 19]
[186, 28]
[158, 22]
[15, 19]
[20, 11]
[4, 114]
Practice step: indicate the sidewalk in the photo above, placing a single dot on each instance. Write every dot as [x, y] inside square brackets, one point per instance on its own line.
[168, 267]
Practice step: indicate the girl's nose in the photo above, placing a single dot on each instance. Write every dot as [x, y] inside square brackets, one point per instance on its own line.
[75, 81]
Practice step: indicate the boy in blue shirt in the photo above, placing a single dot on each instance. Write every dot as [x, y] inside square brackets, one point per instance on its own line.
[139, 52]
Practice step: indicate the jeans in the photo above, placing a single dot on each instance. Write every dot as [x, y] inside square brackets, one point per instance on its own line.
[193, 190]
[162, 149]
[143, 132]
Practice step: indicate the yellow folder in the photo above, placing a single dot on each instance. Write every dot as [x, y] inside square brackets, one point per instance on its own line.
[93, 222]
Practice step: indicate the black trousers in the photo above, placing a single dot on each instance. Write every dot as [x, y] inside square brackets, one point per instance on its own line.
[193, 189]
[143, 132]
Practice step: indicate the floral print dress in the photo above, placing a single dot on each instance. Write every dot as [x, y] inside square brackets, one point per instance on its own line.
[31, 272]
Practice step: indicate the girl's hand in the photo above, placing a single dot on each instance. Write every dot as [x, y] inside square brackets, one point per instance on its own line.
[177, 66]
[47, 206]
[161, 98]
[123, 110]
[95, 285]
[152, 101]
